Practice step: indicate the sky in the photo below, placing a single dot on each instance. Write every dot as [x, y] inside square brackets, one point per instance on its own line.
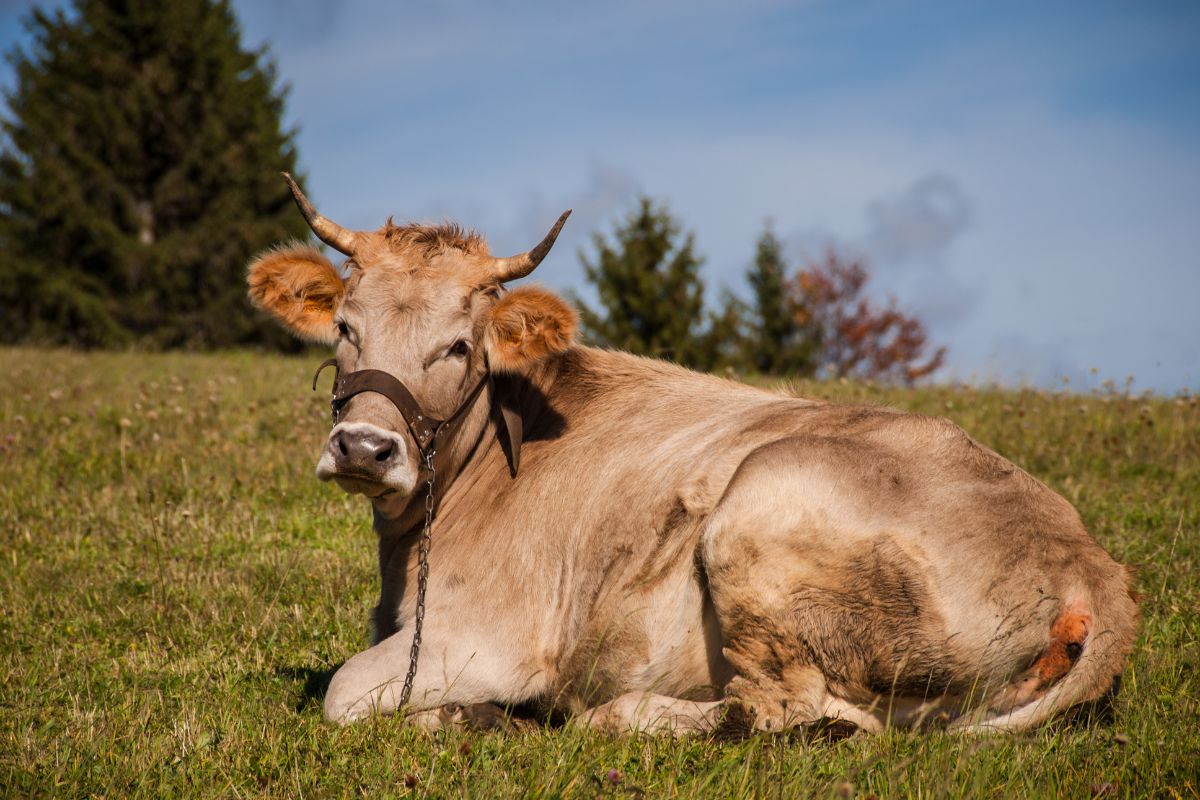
[1023, 176]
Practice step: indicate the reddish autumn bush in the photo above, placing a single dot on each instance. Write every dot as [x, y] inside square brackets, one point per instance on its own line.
[855, 338]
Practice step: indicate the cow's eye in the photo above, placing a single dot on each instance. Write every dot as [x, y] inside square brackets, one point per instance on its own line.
[459, 348]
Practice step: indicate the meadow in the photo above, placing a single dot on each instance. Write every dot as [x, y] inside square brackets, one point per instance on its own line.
[177, 586]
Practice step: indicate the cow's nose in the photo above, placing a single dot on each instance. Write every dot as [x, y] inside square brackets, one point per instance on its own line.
[362, 450]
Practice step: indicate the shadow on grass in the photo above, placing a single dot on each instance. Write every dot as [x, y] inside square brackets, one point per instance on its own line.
[1099, 713]
[316, 684]
[478, 716]
[736, 725]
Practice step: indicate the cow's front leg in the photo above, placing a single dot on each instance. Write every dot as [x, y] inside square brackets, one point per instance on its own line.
[476, 717]
[645, 712]
[454, 670]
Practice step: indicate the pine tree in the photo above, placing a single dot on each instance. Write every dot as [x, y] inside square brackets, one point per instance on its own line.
[721, 344]
[775, 341]
[139, 172]
[650, 289]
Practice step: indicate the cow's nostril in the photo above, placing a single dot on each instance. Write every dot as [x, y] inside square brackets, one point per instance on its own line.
[341, 443]
[385, 453]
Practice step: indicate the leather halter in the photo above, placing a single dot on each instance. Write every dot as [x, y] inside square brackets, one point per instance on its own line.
[430, 434]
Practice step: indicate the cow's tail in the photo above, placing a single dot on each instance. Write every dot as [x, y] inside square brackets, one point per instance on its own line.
[1104, 630]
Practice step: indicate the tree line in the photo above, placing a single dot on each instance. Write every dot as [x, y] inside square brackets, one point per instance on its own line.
[811, 319]
[139, 170]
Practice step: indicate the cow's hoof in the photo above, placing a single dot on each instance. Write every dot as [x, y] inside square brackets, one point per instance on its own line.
[478, 717]
[828, 729]
[736, 722]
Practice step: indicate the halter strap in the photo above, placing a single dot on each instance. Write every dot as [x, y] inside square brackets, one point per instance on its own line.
[429, 433]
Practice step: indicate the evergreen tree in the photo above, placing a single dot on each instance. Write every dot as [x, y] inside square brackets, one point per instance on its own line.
[139, 171]
[650, 290]
[775, 341]
[721, 345]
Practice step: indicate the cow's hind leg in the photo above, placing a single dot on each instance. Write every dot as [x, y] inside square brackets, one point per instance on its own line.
[776, 686]
[750, 576]
[813, 610]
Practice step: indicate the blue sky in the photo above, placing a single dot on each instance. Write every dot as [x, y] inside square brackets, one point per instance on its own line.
[1026, 176]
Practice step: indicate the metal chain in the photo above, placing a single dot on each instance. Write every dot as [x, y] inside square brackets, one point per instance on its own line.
[422, 579]
[402, 399]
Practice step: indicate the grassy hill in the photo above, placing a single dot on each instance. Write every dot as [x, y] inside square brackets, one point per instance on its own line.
[176, 585]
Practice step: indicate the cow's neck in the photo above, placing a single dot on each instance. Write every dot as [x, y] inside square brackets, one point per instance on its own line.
[529, 392]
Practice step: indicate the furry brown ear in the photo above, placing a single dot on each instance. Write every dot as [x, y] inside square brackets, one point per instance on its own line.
[300, 288]
[527, 325]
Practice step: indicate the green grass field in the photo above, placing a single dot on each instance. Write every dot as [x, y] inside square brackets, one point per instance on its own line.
[176, 586]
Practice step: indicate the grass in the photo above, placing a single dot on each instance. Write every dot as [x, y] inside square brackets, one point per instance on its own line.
[176, 586]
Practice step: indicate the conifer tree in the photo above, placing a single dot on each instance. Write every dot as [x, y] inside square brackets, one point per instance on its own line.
[722, 343]
[775, 341]
[651, 294]
[139, 171]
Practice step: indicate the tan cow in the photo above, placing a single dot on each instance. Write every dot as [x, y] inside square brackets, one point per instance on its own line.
[676, 551]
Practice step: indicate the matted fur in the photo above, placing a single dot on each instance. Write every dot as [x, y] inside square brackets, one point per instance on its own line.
[300, 287]
[429, 240]
[526, 326]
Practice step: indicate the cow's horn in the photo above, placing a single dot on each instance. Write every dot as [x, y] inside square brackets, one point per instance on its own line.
[513, 267]
[341, 239]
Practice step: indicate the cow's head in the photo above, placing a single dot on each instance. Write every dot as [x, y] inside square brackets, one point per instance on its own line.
[422, 303]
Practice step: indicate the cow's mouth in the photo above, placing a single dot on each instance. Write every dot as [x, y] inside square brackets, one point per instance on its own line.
[365, 486]
[370, 488]
[374, 485]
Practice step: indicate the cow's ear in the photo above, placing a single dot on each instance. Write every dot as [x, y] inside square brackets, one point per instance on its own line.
[300, 287]
[527, 325]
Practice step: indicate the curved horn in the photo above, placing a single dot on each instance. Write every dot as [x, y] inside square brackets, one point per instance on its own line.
[341, 239]
[513, 267]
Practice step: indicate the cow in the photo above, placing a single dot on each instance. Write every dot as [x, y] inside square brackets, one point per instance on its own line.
[639, 547]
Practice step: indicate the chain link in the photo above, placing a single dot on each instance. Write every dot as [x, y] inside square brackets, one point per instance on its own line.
[422, 579]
